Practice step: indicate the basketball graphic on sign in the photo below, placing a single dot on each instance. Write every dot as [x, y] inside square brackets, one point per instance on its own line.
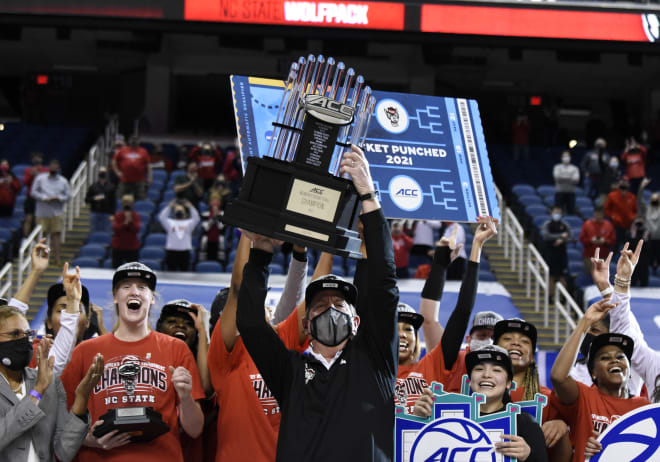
[452, 439]
[633, 437]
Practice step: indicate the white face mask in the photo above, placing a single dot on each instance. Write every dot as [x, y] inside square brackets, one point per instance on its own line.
[479, 344]
[566, 160]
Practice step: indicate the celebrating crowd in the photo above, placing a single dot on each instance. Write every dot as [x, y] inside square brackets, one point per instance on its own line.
[317, 379]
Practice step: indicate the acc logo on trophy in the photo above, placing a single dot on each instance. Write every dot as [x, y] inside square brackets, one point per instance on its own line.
[392, 116]
[406, 193]
[453, 439]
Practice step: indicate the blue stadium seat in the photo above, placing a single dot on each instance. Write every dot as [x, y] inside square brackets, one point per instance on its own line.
[583, 201]
[546, 190]
[107, 263]
[153, 195]
[530, 199]
[152, 252]
[157, 185]
[583, 280]
[579, 191]
[86, 262]
[575, 267]
[654, 281]
[153, 263]
[573, 221]
[539, 220]
[19, 170]
[168, 196]
[18, 214]
[144, 206]
[536, 209]
[278, 258]
[274, 268]
[5, 234]
[586, 212]
[208, 267]
[549, 200]
[96, 251]
[175, 174]
[155, 240]
[522, 189]
[486, 276]
[160, 175]
[99, 237]
[337, 270]
[574, 255]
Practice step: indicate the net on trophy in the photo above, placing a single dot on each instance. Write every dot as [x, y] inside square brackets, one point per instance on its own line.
[294, 191]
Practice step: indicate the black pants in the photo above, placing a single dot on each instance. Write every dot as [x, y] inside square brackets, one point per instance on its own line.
[123, 256]
[566, 201]
[177, 260]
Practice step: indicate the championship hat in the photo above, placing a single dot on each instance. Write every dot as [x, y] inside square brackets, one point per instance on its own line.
[492, 353]
[134, 270]
[408, 315]
[515, 325]
[622, 341]
[330, 282]
[485, 320]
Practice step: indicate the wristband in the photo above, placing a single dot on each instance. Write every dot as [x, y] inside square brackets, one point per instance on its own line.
[605, 292]
[35, 394]
[367, 196]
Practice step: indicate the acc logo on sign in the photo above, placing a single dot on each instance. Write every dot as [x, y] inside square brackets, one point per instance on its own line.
[453, 439]
[392, 116]
[406, 193]
[635, 436]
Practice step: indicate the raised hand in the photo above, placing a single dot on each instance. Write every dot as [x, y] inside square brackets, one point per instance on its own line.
[597, 311]
[451, 243]
[182, 381]
[354, 163]
[71, 283]
[486, 229]
[264, 243]
[628, 260]
[44, 366]
[91, 378]
[600, 269]
[39, 256]
[198, 316]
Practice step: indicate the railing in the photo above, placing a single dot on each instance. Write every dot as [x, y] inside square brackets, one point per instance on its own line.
[502, 205]
[24, 260]
[6, 280]
[514, 241]
[538, 275]
[565, 308]
[78, 183]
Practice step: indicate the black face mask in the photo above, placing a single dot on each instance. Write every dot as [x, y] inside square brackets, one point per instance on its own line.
[53, 172]
[16, 354]
[102, 175]
[179, 215]
[331, 327]
[586, 344]
[127, 208]
[655, 203]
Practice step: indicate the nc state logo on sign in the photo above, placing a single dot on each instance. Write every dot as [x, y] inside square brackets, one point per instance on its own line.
[634, 436]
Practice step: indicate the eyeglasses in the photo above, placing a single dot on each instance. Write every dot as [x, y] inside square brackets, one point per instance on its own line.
[17, 334]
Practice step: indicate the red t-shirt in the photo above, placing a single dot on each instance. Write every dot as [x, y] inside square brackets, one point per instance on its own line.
[208, 165]
[132, 163]
[30, 174]
[593, 228]
[593, 410]
[249, 416]
[635, 163]
[155, 353]
[413, 379]
[8, 190]
[401, 244]
[125, 235]
[550, 411]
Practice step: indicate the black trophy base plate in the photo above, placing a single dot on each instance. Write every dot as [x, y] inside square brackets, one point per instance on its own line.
[142, 428]
[262, 208]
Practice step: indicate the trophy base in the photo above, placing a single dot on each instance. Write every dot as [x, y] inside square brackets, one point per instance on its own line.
[142, 423]
[297, 204]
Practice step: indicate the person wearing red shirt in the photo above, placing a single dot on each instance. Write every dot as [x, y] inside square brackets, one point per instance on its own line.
[634, 163]
[29, 174]
[596, 232]
[590, 410]
[621, 209]
[126, 226]
[132, 166]
[210, 161]
[9, 187]
[167, 379]
[402, 244]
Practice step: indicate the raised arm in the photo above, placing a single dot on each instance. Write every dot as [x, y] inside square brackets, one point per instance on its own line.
[446, 251]
[379, 321]
[460, 317]
[565, 386]
[65, 340]
[294, 287]
[39, 258]
[262, 342]
[228, 324]
[198, 318]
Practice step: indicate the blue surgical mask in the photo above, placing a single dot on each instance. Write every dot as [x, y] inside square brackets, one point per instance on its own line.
[556, 216]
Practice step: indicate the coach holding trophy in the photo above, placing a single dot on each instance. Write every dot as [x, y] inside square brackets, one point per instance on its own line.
[337, 398]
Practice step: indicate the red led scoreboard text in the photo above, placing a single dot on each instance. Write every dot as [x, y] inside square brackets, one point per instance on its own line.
[362, 15]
